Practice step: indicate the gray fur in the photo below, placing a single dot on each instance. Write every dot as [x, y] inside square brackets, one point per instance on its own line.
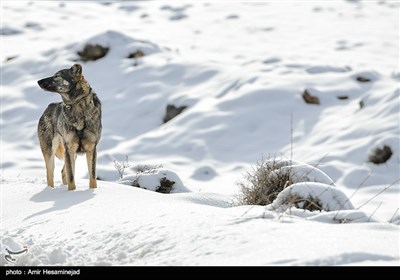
[70, 127]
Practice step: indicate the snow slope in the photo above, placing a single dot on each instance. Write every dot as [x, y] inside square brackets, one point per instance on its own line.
[241, 69]
[116, 224]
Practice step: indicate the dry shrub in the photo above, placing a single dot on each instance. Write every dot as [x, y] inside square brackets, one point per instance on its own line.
[264, 182]
[147, 168]
[165, 185]
[136, 56]
[310, 203]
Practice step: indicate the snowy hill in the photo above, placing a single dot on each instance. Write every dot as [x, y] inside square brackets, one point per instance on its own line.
[129, 226]
[241, 71]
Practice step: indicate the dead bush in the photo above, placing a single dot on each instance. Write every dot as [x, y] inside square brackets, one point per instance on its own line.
[310, 203]
[262, 184]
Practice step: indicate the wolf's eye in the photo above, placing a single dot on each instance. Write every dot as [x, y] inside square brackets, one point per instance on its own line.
[68, 107]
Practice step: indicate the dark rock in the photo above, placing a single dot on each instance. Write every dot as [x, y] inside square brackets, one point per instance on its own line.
[165, 186]
[5, 31]
[380, 155]
[172, 112]
[33, 25]
[178, 17]
[342, 97]
[361, 103]
[362, 79]
[232, 17]
[136, 55]
[92, 52]
[8, 58]
[310, 99]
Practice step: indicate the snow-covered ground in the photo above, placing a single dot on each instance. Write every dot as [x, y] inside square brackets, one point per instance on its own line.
[241, 70]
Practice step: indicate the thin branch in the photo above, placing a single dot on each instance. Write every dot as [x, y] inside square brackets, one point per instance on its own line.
[370, 216]
[291, 136]
[308, 172]
[247, 211]
[357, 189]
[120, 167]
[394, 215]
[360, 185]
[391, 185]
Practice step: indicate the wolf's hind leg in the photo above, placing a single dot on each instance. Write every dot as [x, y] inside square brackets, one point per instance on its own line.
[91, 158]
[60, 151]
[64, 175]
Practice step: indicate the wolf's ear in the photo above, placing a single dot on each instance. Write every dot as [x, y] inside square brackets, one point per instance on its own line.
[76, 71]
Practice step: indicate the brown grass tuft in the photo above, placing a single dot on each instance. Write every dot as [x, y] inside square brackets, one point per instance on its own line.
[264, 182]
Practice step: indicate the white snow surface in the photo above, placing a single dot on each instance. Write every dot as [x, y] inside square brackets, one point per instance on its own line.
[329, 197]
[241, 69]
[152, 180]
[301, 172]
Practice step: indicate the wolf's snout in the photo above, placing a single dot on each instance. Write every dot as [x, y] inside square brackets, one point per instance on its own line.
[47, 84]
[43, 83]
[40, 83]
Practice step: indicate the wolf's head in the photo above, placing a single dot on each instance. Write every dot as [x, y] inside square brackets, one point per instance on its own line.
[63, 81]
[74, 90]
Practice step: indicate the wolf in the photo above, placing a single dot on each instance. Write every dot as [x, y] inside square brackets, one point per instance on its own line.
[70, 127]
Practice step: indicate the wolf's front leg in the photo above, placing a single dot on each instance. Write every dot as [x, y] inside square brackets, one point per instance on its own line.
[49, 160]
[70, 156]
